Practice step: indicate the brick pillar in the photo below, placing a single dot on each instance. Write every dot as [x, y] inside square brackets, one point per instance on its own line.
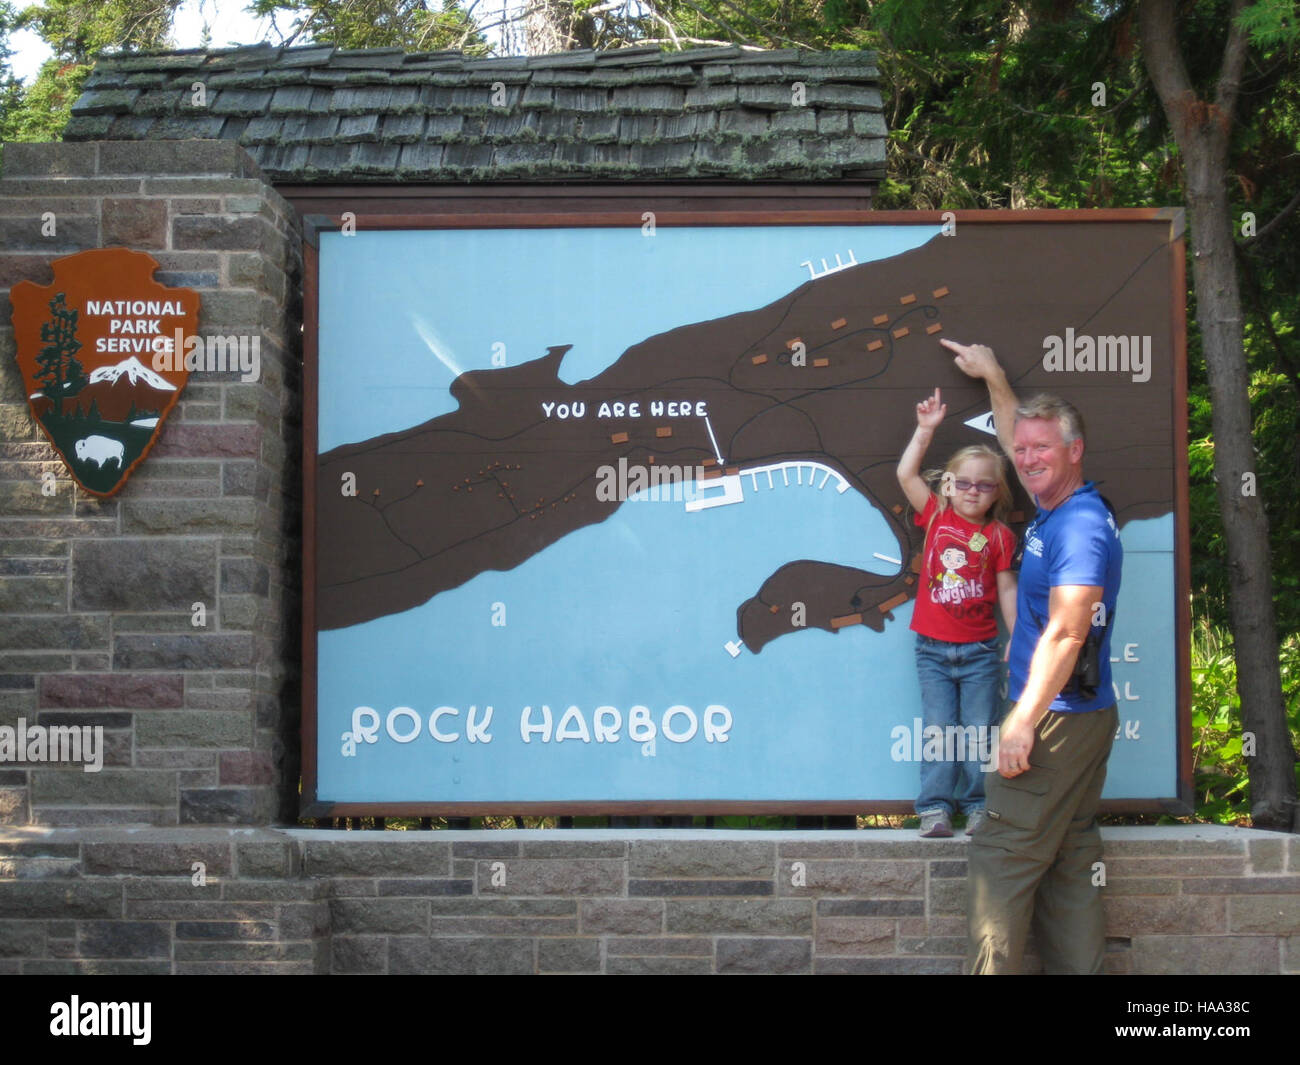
[96, 622]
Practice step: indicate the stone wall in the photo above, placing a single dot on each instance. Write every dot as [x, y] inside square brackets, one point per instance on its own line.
[96, 627]
[1182, 899]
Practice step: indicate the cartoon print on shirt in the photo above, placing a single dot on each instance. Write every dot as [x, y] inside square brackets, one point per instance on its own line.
[957, 573]
[953, 558]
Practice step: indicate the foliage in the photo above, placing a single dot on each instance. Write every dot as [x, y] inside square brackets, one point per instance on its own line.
[411, 24]
[1218, 764]
[77, 31]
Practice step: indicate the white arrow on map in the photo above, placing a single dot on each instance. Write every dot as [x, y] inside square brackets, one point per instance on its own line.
[984, 423]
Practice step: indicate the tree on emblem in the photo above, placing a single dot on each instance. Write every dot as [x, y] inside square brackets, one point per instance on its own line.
[60, 374]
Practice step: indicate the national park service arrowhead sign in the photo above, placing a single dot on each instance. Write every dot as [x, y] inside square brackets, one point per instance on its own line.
[98, 353]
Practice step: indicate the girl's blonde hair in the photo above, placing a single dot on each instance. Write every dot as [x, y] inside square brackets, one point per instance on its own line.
[1001, 508]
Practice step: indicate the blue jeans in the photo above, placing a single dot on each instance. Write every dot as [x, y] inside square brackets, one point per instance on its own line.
[959, 688]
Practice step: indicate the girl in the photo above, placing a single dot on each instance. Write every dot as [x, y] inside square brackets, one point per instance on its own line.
[965, 567]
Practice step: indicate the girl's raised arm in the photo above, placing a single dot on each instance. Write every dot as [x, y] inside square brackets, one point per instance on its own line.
[929, 416]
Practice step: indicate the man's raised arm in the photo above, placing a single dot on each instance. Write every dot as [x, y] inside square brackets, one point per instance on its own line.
[976, 360]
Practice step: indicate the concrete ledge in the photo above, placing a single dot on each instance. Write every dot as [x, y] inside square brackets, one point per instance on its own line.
[1182, 899]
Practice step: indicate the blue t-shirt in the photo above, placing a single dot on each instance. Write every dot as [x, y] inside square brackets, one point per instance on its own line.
[1076, 543]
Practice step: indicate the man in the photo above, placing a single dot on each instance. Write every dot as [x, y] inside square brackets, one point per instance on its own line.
[1032, 862]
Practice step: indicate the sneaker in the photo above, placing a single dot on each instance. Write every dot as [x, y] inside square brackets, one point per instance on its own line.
[974, 819]
[936, 825]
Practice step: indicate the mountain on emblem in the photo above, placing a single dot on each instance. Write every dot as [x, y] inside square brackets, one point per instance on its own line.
[85, 344]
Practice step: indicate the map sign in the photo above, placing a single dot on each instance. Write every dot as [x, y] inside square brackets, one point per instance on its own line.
[603, 515]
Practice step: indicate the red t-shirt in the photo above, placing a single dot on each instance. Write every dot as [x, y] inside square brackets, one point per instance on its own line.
[959, 583]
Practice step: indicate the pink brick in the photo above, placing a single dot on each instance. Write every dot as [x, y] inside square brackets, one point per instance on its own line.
[246, 767]
[126, 691]
[195, 440]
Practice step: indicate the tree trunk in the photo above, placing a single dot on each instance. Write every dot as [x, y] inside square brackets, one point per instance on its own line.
[1202, 130]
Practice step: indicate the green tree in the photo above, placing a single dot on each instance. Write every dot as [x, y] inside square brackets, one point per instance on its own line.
[77, 31]
[11, 89]
[59, 373]
[411, 24]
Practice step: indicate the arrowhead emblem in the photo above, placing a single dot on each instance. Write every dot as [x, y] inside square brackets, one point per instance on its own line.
[96, 351]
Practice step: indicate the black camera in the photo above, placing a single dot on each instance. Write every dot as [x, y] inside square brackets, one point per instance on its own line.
[1086, 677]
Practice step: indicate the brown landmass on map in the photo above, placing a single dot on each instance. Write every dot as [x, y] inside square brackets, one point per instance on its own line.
[489, 485]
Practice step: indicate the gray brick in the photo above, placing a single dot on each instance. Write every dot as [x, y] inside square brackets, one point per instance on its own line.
[22, 939]
[33, 595]
[654, 859]
[1257, 913]
[165, 859]
[187, 157]
[947, 946]
[469, 956]
[481, 906]
[658, 966]
[309, 920]
[552, 848]
[390, 916]
[873, 879]
[194, 950]
[948, 896]
[855, 935]
[361, 955]
[190, 729]
[227, 806]
[764, 955]
[789, 851]
[1146, 915]
[698, 888]
[266, 859]
[138, 574]
[555, 877]
[659, 946]
[365, 858]
[206, 651]
[504, 926]
[125, 939]
[621, 916]
[44, 633]
[890, 966]
[426, 886]
[60, 899]
[1242, 885]
[568, 955]
[757, 916]
[50, 160]
[1291, 954]
[503, 849]
[1175, 955]
[1267, 855]
[225, 930]
[869, 907]
[109, 787]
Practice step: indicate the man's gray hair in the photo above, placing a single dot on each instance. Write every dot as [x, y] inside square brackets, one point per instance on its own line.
[1063, 412]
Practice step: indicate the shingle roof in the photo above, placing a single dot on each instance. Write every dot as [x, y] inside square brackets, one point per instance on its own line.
[325, 114]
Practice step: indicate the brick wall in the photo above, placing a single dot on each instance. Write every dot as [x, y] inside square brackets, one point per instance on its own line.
[1182, 899]
[95, 595]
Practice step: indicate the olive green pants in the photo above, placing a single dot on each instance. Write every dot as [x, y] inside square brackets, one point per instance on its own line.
[1032, 861]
